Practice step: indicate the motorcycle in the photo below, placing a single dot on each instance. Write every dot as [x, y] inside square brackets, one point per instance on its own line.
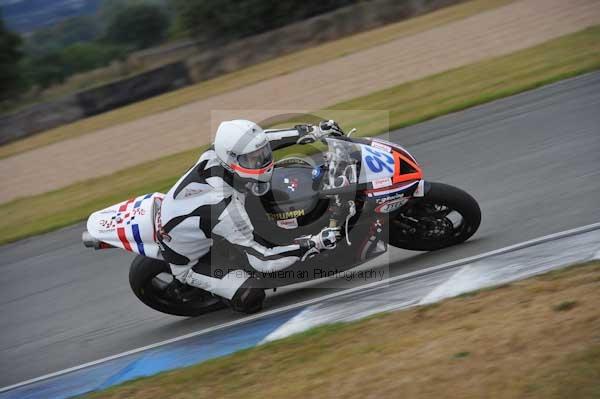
[372, 190]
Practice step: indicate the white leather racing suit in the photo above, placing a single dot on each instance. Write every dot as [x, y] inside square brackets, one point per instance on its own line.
[203, 206]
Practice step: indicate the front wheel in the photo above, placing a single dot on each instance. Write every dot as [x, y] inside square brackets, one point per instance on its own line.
[153, 284]
[446, 216]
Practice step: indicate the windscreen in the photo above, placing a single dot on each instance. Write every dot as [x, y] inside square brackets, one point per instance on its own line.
[342, 150]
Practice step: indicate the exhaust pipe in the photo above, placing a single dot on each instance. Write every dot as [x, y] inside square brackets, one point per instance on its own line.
[91, 242]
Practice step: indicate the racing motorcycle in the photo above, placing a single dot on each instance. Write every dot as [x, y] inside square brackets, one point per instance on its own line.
[372, 190]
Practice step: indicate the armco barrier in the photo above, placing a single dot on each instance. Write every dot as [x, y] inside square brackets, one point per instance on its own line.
[136, 88]
[51, 114]
[39, 117]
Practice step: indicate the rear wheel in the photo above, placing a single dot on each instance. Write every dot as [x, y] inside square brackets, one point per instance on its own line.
[153, 284]
[446, 216]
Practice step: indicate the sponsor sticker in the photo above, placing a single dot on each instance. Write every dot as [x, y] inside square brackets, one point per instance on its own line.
[288, 224]
[292, 183]
[106, 225]
[381, 146]
[189, 192]
[286, 215]
[380, 183]
[383, 200]
[260, 144]
[391, 206]
[316, 172]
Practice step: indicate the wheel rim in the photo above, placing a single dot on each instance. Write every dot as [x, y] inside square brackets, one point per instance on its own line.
[431, 221]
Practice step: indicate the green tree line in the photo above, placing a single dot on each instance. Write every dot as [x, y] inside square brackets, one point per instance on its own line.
[223, 20]
[80, 44]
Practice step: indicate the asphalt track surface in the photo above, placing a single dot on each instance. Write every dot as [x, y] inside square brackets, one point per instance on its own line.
[531, 160]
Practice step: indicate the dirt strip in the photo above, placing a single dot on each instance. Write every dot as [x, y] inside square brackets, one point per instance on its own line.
[497, 32]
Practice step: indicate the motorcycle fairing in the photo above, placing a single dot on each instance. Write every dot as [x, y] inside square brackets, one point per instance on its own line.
[408, 189]
[128, 225]
[387, 176]
[397, 173]
[381, 163]
[405, 166]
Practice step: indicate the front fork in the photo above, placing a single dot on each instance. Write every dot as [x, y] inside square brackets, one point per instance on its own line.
[376, 242]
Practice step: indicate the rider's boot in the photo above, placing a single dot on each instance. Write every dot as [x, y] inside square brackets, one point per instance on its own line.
[248, 300]
[237, 287]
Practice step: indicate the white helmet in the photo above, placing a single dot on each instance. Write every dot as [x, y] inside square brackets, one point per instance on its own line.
[243, 148]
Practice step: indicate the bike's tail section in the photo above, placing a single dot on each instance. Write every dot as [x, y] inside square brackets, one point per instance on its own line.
[128, 225]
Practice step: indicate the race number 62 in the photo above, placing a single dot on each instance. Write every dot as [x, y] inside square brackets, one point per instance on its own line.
[378, 161]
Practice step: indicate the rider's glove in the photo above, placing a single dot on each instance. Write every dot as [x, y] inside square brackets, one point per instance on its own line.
[330, 128]
[310, 134]
[326, 239]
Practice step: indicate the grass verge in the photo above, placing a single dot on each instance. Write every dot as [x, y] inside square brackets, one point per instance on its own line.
[503, 343]
[407, 104]
[254, 74]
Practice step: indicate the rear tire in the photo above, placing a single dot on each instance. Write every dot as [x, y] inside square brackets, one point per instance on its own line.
[144, 270]
[443, 196]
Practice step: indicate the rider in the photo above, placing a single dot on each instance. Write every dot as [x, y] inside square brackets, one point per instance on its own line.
[207, 205]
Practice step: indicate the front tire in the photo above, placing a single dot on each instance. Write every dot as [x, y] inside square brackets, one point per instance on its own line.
[429, 223]
[149, 279]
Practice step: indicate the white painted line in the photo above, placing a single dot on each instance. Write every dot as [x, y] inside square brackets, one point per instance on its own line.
[449, 265]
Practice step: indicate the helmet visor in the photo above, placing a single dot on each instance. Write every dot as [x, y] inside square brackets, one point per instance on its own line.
[257, 159]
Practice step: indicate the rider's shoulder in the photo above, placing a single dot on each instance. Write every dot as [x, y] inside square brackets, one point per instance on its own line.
[208, 155]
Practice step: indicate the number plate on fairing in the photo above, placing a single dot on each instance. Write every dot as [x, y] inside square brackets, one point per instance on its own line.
[377, 164]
